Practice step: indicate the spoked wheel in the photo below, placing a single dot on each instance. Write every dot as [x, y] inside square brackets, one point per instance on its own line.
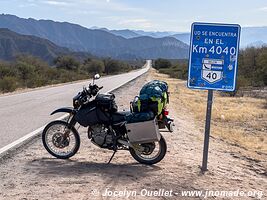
[59, 140]
[151, 153]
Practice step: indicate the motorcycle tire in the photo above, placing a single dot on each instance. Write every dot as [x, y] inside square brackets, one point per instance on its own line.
[76, 138]
[158, 158]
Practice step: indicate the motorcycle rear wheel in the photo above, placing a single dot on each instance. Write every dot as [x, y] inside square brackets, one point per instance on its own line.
[55, 142]
[142, 157]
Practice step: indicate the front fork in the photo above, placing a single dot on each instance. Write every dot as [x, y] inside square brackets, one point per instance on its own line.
[71, 123]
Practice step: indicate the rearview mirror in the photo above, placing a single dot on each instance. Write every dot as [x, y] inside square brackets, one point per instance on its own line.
[96, 76]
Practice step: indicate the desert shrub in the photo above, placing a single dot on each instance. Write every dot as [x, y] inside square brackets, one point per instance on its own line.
[253, 67]
[8, 84]
[25, 71]
[115, 66]
[94, 66]
[67, 62]
[176, 68]
[28, 71]
[162, 63]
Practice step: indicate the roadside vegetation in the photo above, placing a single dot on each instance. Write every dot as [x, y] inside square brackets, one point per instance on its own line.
[30, 72]
[252, 68]
[174, 68]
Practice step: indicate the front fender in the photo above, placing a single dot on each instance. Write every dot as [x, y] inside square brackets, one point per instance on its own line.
[65, 110]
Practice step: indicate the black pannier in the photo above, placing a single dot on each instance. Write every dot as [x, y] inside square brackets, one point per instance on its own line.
[89, 115]
[106, 102]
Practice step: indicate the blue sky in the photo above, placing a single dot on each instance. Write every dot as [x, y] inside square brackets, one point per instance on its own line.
[153, 15]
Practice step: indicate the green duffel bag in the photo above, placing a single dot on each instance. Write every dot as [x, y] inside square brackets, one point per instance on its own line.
[152, 97]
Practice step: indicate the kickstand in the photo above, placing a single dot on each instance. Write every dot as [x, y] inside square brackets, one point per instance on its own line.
[111, 157]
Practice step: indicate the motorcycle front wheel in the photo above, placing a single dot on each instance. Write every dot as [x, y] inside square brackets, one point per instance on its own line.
[153, 152]
[59, 140]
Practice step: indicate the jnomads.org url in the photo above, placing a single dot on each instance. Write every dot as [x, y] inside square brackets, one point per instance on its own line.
[213, 193]
[171, 193]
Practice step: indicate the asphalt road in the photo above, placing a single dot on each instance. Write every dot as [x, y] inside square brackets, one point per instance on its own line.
[25, 112]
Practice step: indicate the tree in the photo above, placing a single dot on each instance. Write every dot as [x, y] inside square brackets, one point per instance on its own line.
[25, 70]
[94, 66]
[8, 84]
[7, 70]
[115, 66]
[162, 63]
[67, 62]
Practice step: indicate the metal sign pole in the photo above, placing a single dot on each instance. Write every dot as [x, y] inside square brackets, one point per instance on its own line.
[207, 132]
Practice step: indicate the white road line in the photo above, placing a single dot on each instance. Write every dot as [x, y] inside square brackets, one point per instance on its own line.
[35, 133]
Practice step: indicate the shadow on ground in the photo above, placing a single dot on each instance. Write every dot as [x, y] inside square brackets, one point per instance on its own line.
[56, 167]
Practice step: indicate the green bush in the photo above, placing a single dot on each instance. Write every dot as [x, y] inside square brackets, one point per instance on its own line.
[94, 66]
[28, 71]
[67, 62]
[25, 70]
[253, 67]
[8, 84]
[115, 66]
[176, 68]
[7, 70]
[162, 63]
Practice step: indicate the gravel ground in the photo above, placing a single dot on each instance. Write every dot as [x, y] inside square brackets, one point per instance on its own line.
[31, 173]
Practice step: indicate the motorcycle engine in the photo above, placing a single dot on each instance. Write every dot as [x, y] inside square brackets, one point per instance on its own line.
[100, 136]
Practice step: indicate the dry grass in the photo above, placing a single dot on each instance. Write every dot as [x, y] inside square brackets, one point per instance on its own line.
[239, 120]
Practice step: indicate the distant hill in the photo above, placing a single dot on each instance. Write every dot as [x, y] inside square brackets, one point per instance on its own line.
[184, 37]
[166, 47]
[126, 33]
[98, 42]
[155, 34]
[13, 44]
[250, 36]
[123, 33]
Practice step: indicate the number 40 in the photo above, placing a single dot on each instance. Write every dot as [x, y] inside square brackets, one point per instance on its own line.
[211, 75]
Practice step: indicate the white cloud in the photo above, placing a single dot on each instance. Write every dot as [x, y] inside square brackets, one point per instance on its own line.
[136, 23]
[27, 5]
[57, 3]
[263, 8]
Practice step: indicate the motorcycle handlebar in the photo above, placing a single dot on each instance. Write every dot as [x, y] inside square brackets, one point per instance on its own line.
[82, 97]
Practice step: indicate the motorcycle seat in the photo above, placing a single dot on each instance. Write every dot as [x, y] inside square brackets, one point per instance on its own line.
[140, 117]
[120, 116]
[123, 113]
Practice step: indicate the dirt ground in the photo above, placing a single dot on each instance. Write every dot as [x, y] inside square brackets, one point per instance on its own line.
[31, 173]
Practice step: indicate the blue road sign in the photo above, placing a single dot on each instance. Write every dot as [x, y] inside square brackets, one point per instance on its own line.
[213, 56]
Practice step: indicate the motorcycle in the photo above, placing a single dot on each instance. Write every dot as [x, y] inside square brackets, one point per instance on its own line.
[108, 128]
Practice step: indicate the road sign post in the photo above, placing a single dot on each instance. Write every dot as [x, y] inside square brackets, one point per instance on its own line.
[212, 65]
[207, 131]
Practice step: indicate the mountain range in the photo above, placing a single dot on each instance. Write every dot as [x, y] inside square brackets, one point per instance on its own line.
[98, 42]
[13, 44]
[47, 39]
[250, 36]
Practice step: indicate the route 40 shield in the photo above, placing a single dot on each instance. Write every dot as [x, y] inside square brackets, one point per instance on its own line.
[213, 56]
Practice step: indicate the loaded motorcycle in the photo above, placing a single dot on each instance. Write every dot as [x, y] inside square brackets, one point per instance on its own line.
[107, 128]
